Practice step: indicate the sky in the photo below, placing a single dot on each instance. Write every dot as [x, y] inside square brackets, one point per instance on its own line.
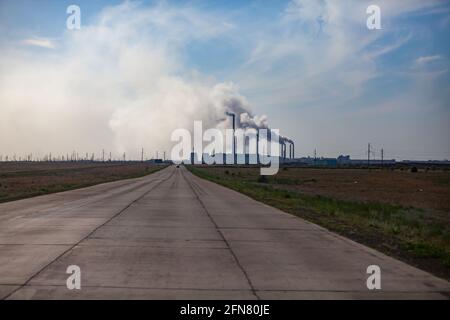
[137, 70]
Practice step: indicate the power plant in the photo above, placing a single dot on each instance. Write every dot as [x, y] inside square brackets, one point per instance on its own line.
[246, 157]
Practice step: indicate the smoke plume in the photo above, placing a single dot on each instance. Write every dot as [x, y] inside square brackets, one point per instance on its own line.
[118, 84]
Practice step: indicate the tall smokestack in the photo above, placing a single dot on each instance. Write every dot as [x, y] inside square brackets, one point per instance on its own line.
[293, 150]
[257, 146]
[234, 138]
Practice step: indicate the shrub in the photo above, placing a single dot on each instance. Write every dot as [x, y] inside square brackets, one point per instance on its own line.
[414, 169]
[263, 179]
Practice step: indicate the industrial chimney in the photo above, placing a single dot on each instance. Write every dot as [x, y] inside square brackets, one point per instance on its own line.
[234, 131]
[293, 149]
[257, 146]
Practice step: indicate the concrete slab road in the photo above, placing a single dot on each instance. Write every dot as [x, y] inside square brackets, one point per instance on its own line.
[171, 235]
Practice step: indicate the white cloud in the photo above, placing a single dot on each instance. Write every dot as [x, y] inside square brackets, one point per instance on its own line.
[118, 84]
[428, 59]
[321, 52]
[319, 62]
[428, 68]
[122, 83]
[39, 42]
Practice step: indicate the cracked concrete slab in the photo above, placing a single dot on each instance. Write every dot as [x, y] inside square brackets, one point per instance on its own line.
[171, 235]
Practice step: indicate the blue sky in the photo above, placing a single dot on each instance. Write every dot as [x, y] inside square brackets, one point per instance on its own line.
[332, 85]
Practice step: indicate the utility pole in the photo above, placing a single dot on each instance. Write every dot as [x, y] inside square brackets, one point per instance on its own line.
[142, 155]
[110, 156]
[368, 155]
[382, 157]
[103, 155]
[164, 156]
[315, 156]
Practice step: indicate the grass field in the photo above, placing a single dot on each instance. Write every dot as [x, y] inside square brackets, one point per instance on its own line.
[29, 179]
[401, 213]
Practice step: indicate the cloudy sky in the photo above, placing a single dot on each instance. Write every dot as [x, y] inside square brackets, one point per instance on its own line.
[136, 71]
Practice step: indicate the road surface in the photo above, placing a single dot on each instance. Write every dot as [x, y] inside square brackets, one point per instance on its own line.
[171, 235]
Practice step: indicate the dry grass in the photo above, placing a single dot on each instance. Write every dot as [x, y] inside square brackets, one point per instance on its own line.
[427, 190]
[401, 213]
[23, 180]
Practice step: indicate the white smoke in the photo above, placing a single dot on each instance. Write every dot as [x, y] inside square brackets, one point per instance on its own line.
[117, 85]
